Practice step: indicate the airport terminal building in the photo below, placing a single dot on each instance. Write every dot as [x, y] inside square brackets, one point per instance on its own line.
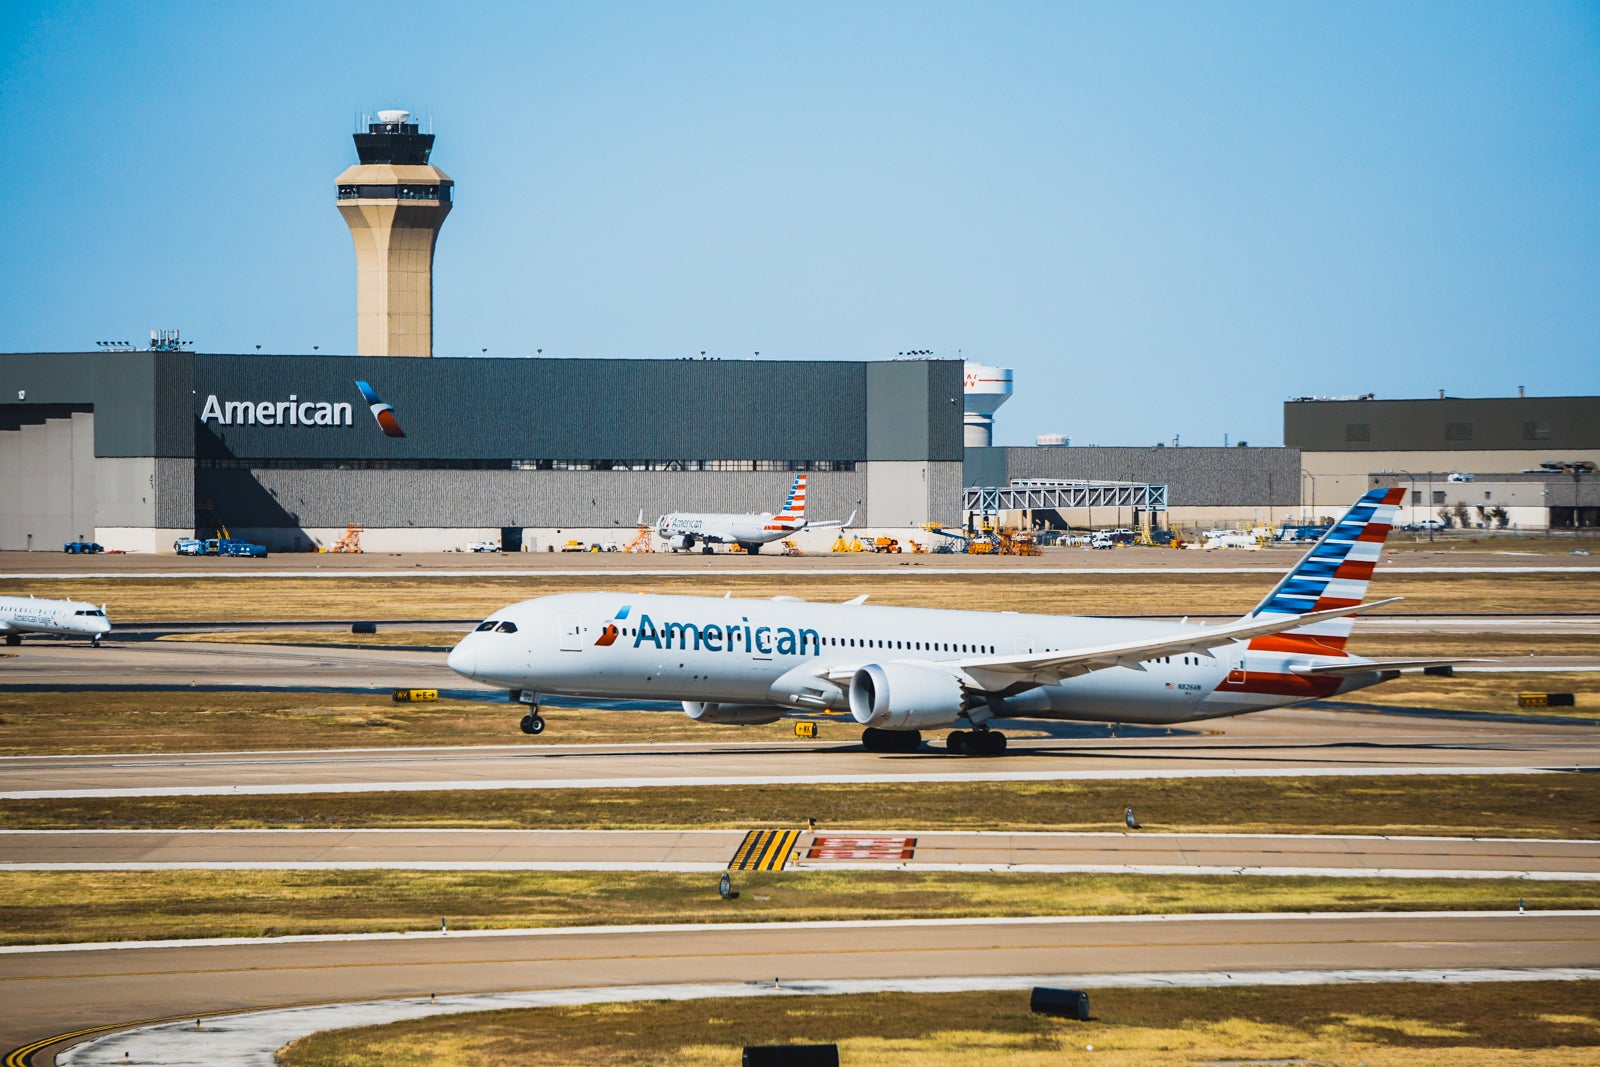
[136, 449]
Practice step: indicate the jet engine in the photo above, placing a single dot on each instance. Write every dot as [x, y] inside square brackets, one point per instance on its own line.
[681, 542]
[733, 714]
[901, 696]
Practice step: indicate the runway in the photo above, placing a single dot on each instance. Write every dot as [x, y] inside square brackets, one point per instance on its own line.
[55, 991]
[881, 849]
[1302, 742]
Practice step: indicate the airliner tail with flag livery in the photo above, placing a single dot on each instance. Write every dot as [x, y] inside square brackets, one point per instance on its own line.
[898, 671]
[682, 531]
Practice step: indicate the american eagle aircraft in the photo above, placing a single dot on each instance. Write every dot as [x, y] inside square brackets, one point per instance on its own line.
[29, 615]
[898, 671]
[682, 529]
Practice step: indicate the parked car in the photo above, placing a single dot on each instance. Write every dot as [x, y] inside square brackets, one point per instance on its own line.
[1425, 524]
[484, 546]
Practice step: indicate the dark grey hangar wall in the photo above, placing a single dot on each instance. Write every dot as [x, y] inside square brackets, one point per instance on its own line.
[292, 441]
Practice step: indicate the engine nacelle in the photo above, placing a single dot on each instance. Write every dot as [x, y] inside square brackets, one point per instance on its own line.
[733, 714]
[900, 696]
[680, 542]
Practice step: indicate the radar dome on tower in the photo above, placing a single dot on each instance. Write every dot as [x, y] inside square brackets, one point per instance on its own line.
[986, 388]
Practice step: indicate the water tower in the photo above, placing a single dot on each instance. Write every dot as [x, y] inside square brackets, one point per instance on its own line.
[986, 389]
[394, 204]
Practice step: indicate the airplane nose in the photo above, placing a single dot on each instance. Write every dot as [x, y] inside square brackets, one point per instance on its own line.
[463, 659]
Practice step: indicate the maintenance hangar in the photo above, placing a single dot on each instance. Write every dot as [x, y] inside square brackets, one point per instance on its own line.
[135, 449]
[1523, 461]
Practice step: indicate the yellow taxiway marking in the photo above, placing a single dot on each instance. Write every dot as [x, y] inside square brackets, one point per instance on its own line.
[764, 850]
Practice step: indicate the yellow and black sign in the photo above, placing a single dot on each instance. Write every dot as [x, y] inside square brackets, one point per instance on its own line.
[764, 850]
[415, 696]
[1545, 700]
[805, 729]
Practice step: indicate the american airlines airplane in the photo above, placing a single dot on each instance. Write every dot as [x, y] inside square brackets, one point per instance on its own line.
[29, 615]
[749, 532]
[899, 671]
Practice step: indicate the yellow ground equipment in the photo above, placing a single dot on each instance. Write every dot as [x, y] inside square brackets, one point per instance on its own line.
[791, 549]
[852, 544]
[885, 544]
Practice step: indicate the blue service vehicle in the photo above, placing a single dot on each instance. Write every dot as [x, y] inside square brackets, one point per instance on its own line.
[86, 547]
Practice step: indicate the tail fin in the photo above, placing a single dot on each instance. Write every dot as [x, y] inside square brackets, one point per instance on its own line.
[1334, 573]
[794, 508]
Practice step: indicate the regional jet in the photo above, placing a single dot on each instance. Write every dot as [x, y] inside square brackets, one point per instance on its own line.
[29, 615]
[749, 532]
[898, 671]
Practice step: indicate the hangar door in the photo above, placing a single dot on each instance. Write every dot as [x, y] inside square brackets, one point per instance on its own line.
[46, 476]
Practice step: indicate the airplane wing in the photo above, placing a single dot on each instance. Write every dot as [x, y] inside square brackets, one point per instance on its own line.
[1366, 665]
[1000, 672]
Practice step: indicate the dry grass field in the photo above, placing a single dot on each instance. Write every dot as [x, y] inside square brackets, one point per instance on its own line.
[87, 906]
[378, 598]
[1533, 805]
[1549, 1024]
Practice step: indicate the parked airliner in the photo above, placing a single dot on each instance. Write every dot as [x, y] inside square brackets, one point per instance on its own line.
[898, 671]
[682, 530]
[29, 615]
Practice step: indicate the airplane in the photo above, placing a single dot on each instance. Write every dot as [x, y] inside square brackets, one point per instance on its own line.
[30, 615]
[681, 530]
[898, 671]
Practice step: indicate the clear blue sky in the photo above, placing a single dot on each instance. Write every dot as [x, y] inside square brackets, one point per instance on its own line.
[1168, 218]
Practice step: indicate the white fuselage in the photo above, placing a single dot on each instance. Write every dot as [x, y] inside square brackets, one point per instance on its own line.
[773, 652]
[32, 615]
[725, 529]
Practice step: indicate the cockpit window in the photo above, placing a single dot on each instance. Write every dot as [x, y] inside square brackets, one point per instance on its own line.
[507, 628]
[482, 626]
[95, 612]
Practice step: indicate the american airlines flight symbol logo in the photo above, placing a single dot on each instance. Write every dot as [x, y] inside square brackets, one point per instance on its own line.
[384, 413]
[609, 633]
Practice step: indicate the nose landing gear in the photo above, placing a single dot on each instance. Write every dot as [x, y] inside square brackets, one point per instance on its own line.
[532, 722]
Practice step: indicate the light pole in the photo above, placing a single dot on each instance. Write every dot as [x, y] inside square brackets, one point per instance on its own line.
[1307, 476]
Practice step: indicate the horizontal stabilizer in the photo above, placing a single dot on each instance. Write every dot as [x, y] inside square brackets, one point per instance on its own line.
[1366, 666]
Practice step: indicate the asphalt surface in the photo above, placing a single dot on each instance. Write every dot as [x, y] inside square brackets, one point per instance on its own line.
[884, 849]
[52, 992]
[1301, 741]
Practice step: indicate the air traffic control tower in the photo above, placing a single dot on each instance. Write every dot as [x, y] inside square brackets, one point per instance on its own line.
[394, 203]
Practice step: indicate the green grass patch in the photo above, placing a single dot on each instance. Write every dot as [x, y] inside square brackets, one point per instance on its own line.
[1532, 805]
[1552, 1024]
[74, 906]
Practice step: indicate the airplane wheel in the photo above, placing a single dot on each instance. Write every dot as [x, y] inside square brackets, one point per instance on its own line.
[706, 549]
[532, 724]
[956, 741]
[13, 639]
[755, 550]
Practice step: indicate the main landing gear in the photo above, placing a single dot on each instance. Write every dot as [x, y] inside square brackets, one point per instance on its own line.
[875, 740]
[979, 742]
[533, 722]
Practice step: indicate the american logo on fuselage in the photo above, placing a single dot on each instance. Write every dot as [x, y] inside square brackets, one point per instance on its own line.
[738, 636]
